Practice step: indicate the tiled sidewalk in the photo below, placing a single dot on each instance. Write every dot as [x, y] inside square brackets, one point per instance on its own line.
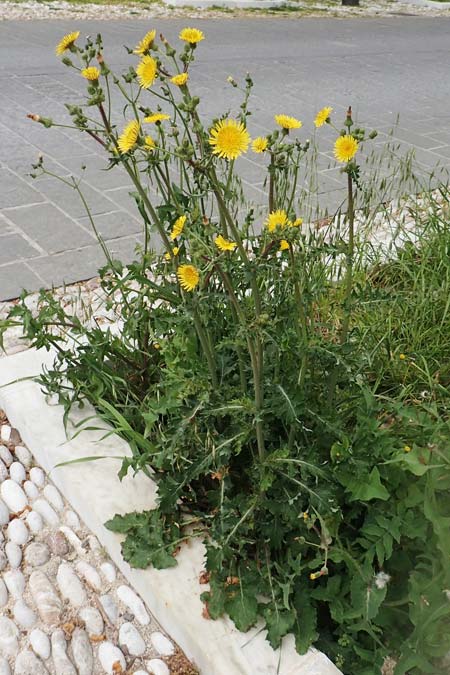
[380, 66]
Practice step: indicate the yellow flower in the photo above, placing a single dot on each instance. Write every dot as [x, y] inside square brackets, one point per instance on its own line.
[284, 245]
[157, 117]
[191, 35]
[322, 116]
[259, 144]
[188, 276]
[229, 139]
[177, 227]
[297, 222]
[146, 71]
[128, 137]
[144, 45]
[223, 244]
[287, 122]
[180, 79]
[92, 73]
[407, 448]
[402, 357]
[67, 42]
[174, 253]
[149, 143]
[314, 575]
[345, 148]
[277, 219]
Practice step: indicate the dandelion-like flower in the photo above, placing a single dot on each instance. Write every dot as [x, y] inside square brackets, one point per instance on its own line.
[128, 137]
[259, 144]
[345, 148]
[229, 139]
[156, 118]
[66, 42]
[322, 116]
[145, 44]
[188, 276]
[297, 222]
[224, 244]
[287, 122]
[180, 79]
[191, 35]
[277, 219]
[92, 73]
[146, 71]
[173, 254]
[178, 227]
[284, 245]
[149, 143]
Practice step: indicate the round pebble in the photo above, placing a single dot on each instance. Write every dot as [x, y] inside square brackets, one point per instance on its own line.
[92, 620]
[14, 554]
[130, 637]
[27, 663]
[17, 472]
[4, 666]
[46, 511]
[3, 471]
[134, 604]
[37, 554]
[136, 672]
[45, 597]
[157, 667]
[82, 652]
[24, 615]
[13, 496]
[162, 644]
[5, 432]
[4, 513]
[31, 490]
[6, 456]
[70, 585]
[37, 476]
[57, 543]
[109, 655]
[72, 520]
[3, 593]
[40, 643]
[23, 455]
[9, 644]
[63, 665]
[109, 572]
[110, 608]
[15, 582]
[17, 532]
[89, 574]
[72, 539]
[34, 521]
[53, 497]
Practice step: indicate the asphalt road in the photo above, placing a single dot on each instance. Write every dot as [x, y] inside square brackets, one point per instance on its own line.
[382, 67]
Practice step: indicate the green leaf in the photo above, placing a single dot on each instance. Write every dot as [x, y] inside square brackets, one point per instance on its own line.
[305, 631]
[242, 608]
[278, 624]
[367, 488]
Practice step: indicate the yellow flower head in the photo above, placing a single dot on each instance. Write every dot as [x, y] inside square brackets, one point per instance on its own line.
[67, 42]
[322, 116]
[180, 79]
[277, 219]
[128, 137]
[191, 35]
[174, 253]
[145, 44]
[407, 448]
[149, 143]
[259, 144]
[146, 71]
[188, 276]
[287, 122]
[297, 222]
[157, 117]
[223, 244]
[345, 148]
[402, 357]
[92, 73]
[229, 139]
[178, 227]
[284, 245]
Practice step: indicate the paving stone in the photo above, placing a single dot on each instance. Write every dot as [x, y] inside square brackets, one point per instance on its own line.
[15, 191]
[69, 266]
[114, 225]
[15, 247]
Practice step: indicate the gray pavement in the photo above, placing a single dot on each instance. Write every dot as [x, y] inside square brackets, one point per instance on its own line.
[381, 67]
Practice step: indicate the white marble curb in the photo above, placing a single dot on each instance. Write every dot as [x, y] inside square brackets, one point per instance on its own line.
[232, 4]
[94, 491]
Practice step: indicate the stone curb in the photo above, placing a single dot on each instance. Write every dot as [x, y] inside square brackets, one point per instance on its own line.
[95, 493]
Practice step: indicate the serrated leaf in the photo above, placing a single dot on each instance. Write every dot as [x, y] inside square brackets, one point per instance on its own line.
[242, 608]
[305, 629]
[278, 624]
[367, 489]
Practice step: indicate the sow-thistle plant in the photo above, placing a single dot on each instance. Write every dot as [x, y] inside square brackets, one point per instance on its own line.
[268, 417]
